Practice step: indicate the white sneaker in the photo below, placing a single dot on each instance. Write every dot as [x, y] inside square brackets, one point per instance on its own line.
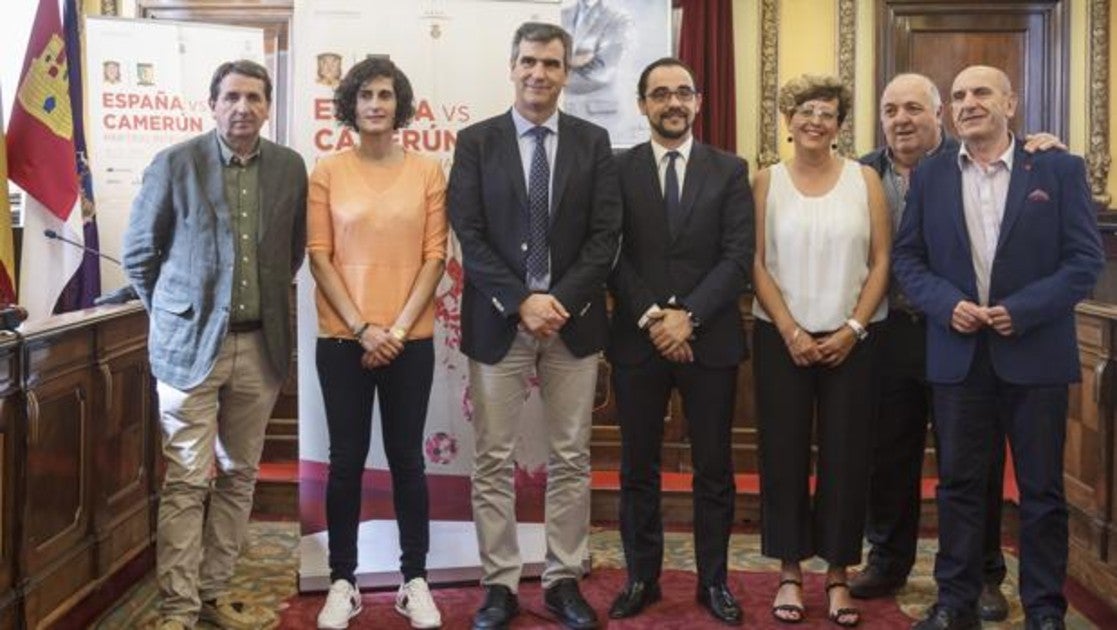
[342, 604]
[414, 601]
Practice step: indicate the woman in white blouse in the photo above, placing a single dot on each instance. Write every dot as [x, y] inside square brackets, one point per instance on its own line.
[820, 276]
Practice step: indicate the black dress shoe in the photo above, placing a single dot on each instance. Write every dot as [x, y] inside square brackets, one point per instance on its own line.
[719, 601]
[500, 606]
[1045, 623]
[636, 596]
[875, 582]
[565, 602]
[943, 618]
[992, 605]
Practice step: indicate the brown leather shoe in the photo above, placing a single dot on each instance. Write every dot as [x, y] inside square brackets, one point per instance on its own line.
[233, 614]
[872, 582]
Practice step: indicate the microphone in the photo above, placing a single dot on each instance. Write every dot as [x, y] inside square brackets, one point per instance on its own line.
[119, 296]
[51, 234]
[124, 294]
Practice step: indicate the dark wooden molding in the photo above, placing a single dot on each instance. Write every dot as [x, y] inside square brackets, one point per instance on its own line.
[1041, 29]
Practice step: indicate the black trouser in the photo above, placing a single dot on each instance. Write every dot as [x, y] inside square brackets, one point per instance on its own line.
[841, 402]
[972, 419]
[708, 394]
[896, 476]
[348, 391]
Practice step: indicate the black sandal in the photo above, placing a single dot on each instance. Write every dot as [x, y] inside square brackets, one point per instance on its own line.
[837, 615]
[796, 609]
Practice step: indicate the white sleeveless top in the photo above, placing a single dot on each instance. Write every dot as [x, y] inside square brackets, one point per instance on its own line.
[817, 249]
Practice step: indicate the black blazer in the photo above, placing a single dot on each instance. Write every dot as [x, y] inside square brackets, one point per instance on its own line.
[488, 208]
[705, 265]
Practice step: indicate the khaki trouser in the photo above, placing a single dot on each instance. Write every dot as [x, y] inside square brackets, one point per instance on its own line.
[566, 384]
[216, 427]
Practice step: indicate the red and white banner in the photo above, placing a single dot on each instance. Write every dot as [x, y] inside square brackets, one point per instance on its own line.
[456, 54]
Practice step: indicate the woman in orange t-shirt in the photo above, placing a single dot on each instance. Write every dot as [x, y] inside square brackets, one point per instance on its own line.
[377, 243]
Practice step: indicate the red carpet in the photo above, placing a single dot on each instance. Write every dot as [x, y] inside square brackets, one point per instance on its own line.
[677, 610]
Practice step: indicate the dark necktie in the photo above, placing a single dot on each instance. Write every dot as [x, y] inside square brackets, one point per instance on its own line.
[671, 193]
[538, 202]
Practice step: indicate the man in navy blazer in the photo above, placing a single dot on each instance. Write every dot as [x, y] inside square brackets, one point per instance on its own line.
[533, 201]
[686, 253]
[216, 233]
[996, 247]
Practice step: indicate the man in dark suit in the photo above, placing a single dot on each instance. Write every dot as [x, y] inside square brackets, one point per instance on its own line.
[215, 236]
[533, 200]
[686, 251]
[996, 247]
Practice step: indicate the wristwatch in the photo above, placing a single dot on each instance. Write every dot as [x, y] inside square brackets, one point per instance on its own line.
[858, 330]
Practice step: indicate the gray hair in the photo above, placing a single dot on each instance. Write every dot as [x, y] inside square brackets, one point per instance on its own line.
[542, 32]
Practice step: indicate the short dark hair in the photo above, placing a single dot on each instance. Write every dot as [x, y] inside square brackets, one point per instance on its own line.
[241, 66]
[345, 96]
[642, 84]
[542, 32]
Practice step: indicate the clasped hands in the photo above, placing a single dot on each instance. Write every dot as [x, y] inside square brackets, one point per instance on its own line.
[380, 345]
[830, 351]
[670, 331]
[969, 318]
[542, 315]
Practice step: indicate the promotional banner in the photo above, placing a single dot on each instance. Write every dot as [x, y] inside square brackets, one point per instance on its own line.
[147, 88]
[457, 56]
[614, 40]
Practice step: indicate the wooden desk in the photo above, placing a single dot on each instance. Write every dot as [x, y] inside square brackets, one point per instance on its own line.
[78, 438]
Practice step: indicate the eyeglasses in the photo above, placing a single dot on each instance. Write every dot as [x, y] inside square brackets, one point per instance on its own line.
[663, 95]
[809, 112]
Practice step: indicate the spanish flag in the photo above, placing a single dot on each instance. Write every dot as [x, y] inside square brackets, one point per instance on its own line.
[42, 162]
[7, 250]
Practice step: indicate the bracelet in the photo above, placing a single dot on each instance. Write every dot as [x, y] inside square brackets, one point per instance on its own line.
[795, 335]
[859, 332]
[399, 333]
[360, 330]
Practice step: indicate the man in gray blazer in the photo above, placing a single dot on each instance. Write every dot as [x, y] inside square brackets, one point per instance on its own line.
[215, 236]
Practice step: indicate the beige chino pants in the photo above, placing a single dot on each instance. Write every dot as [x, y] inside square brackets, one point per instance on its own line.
[213, 435]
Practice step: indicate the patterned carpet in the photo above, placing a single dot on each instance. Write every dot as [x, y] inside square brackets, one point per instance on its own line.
[268, 567]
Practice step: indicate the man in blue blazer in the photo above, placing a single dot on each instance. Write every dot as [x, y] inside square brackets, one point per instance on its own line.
[996, 247]
[685, 258]
[215, 236]
[533, 201]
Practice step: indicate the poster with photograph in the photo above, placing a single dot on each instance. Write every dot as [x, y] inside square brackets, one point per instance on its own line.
[613, 41]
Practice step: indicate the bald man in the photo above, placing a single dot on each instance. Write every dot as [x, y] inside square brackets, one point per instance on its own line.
[911, 117]
[1001, 346]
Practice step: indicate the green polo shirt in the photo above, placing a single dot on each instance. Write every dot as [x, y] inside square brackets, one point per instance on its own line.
[242, 194]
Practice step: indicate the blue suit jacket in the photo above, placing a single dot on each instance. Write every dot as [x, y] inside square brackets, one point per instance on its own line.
[178, 254]
[1048, 257]
[487, 202]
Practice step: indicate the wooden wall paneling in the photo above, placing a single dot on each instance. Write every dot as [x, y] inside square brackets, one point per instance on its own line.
[1087, 458]
[124, 448]
[745, 457]
[56, 558]
[1029, 40]
[11, 420]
